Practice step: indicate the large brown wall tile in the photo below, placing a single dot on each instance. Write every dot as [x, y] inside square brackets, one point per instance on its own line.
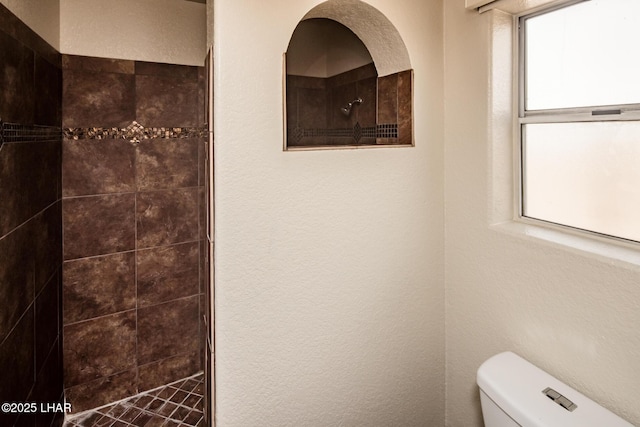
[98, 99]
[312, 108]
[98, 166]
[339, 97]
[49, 386]
[168, 370]
[29, 176]
[99, 286]
[48, 88]
[167, 273]
[166, 101]
[17, 355]
[167, 163]
[102, 391]
[166, 217]
[294, 82]
[17, 97]
[366, 112]
[98, 225]
[46, 312]
[405, 113]
[291, 106]
[388, 99]
[168, 329]
[47, 243]
[17, 276]
[346, 87]
[99, 347]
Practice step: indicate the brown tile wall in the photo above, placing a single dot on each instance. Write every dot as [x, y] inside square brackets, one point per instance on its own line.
[405, 107]
[133, 215]
[30, 226]
[306, 107]
[395, 93]
[315, 103]
[344, 88]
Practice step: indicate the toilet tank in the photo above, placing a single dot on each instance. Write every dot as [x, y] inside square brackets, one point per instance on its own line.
[513, 393]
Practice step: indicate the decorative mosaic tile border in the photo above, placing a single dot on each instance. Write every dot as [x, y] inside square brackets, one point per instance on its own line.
[15, 132]
[134, 133]
[387, 130]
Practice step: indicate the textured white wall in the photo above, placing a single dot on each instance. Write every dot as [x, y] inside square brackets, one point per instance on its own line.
[170, 31]
[43, 17]
[570, 312]
[329, 264]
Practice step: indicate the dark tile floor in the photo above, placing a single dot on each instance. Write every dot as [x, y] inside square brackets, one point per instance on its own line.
[179, 404]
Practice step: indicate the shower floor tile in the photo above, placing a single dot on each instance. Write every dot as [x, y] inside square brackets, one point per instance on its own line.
[179, 404]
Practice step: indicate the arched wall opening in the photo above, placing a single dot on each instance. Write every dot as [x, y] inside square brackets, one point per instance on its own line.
[349, 81]
[378, 34]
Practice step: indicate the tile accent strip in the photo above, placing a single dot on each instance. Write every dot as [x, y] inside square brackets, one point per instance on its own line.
[15, 132]
[357, 132]
[134, 133]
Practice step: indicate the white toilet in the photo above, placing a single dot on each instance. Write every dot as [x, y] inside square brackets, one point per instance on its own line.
[515, 393]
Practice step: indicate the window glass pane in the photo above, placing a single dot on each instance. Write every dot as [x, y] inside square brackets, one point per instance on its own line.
[584, 175]
[583, 55]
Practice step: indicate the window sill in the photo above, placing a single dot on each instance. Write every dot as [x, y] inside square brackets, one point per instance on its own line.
[601, 249]
[345, 147]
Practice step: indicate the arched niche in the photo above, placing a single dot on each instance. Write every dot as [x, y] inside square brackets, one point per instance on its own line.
[349, 81]
[374, 29]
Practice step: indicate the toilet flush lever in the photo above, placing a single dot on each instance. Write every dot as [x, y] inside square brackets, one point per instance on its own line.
[559, 399]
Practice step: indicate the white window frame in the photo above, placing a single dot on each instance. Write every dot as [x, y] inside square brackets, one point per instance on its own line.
[503, 156]
[602, 113]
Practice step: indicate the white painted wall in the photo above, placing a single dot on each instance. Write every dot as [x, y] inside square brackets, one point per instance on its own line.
[170, 31]
[43, 17]
[329, 264]
[571, 312]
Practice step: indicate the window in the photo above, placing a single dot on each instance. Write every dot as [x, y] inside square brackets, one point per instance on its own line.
[579, 116]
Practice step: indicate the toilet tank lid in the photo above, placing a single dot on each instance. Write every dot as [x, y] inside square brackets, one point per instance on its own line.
[516, 386]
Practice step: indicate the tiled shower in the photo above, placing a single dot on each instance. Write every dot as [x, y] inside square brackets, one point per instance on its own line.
[102, 225]
[133, 203]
